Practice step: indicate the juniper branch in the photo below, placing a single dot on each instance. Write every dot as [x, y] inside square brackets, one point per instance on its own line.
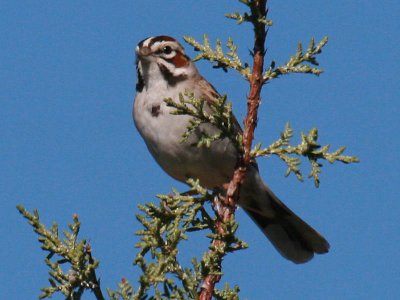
[240, 18]
[298, 63]
[308, 148]
[217, 113]
[164, 227]
[230, 60]
[77, 254]
[124, 292]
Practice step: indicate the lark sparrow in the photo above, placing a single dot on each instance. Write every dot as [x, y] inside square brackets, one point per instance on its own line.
[164, 71]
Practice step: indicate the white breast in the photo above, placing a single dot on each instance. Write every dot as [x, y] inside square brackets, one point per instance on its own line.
[162, 133]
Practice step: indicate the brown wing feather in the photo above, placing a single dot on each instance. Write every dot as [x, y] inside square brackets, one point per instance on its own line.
[210, 95]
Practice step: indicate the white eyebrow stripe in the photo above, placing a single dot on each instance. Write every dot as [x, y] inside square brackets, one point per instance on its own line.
[155, 45]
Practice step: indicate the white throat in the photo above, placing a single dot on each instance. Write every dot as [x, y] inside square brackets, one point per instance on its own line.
[152, 76]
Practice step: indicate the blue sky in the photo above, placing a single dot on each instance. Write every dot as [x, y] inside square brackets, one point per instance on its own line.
[68, 144]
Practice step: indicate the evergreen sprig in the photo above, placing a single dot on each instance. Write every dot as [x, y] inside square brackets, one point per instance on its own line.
[240, 18]
[308, 147]
[230, 60]
[124, 292]
[69, 251]
[227, 293]
[165, 226]
[300, 62]
[217, 113]
[256, 16]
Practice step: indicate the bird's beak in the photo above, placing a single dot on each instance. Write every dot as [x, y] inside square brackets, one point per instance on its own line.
[143, 51]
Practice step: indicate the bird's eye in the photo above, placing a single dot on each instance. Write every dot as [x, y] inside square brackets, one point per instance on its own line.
[167, 50]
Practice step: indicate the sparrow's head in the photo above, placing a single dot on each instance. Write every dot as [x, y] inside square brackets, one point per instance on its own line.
[162, 49]
[162, 55]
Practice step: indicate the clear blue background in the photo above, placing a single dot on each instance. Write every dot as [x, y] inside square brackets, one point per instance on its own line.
[68, 145]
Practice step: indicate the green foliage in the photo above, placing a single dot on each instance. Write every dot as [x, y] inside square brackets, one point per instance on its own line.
[71, 252]
[221, 117]
[308, 148]
[124, 292]
[256, 17]
[300, 62]
[240, 18]
[217, 113]
[229, 61]
[227, 293]
[165, 226]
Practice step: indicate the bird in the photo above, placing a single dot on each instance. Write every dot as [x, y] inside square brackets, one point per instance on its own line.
[165, 71]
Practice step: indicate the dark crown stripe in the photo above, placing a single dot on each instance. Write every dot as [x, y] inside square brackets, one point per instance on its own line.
[161, 38]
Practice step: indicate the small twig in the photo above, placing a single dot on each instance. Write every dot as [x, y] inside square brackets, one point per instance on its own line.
[94, 281]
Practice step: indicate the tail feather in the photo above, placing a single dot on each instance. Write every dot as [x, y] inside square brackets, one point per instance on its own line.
[289, 234]
[292, 237]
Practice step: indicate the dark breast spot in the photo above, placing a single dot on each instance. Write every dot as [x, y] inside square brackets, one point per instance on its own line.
[155, 110]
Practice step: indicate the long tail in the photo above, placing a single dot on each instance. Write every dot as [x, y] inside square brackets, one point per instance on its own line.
[291, 236]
